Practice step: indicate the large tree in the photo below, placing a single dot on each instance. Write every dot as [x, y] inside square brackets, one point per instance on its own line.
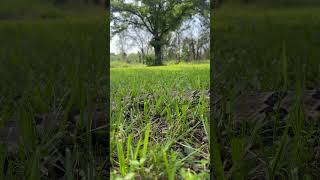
[159, 17]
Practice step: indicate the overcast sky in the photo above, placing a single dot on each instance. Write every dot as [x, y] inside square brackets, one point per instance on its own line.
[115, 49]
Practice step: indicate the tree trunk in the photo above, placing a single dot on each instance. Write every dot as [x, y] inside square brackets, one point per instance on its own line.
[157, 52]
[142, 55]
[197, 55]
[140, 58]
[97, 2]
[179, 49]
[59, 2]
[193, 49]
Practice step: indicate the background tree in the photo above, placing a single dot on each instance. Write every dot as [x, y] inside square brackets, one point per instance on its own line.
[177, 41]
[141, 40]
[123, 45]
[159, 17]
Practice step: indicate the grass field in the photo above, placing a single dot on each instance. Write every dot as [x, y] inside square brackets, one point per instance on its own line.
[45, 9]
[48, 66]
[256, 46]
[265, 48]
[158, 129]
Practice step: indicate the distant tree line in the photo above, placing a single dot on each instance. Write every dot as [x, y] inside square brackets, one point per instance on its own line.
[187, 48]
[180, 45]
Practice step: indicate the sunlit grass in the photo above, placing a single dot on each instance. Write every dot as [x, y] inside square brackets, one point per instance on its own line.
[172, 145]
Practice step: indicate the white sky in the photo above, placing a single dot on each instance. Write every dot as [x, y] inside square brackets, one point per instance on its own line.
[115, 49]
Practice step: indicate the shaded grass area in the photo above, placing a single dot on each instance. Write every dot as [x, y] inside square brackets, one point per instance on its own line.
[256, 46]
[159, 121]
[47, 9]
[265, 48]
[52, 67]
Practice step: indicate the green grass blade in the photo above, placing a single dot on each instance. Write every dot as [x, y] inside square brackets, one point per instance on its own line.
[146, 140]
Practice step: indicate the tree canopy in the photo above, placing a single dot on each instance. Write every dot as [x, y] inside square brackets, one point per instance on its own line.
[158, 17]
